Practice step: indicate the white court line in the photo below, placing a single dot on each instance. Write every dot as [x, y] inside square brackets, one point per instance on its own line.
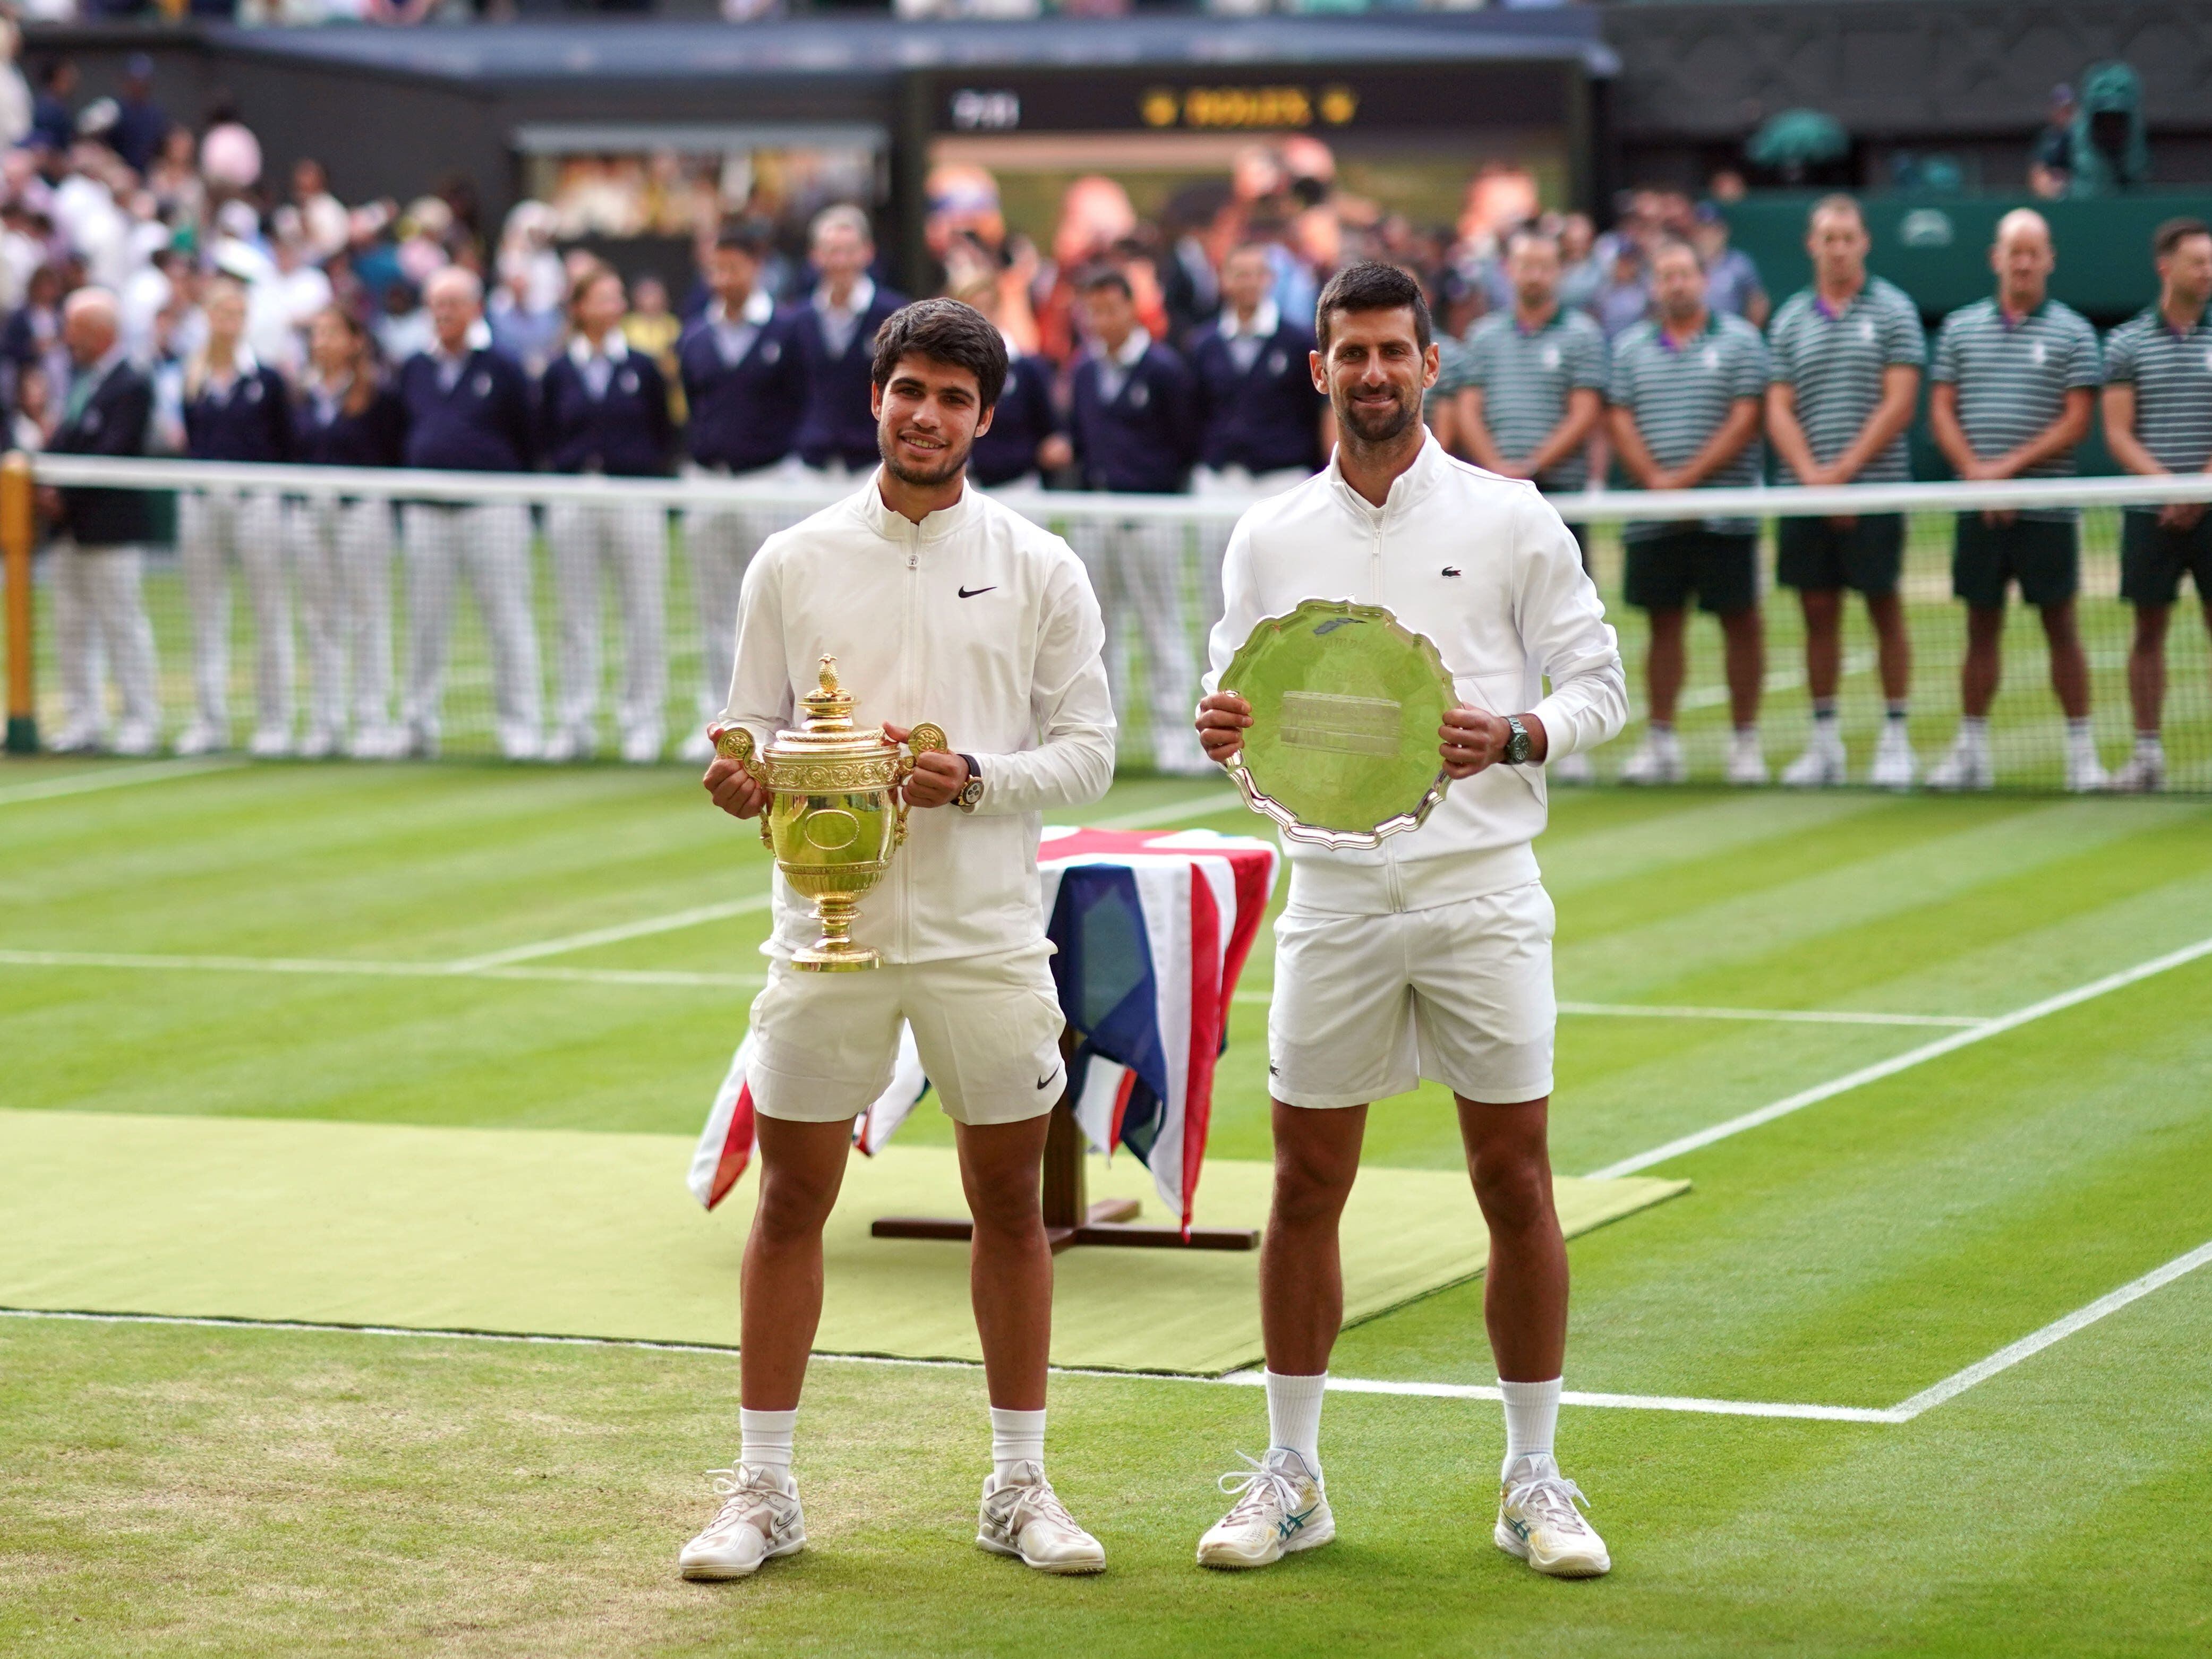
[1656, 1011]
[1650, 1402]
[2057, 1331]
[371, 969]
[1905, 1062]
[1199, 806]
[614, 935]
[115, 777]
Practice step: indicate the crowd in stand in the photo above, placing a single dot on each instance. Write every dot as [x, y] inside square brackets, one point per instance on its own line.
[161, 298]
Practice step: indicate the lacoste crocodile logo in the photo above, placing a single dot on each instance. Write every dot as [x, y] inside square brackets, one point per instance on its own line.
[1451, 570]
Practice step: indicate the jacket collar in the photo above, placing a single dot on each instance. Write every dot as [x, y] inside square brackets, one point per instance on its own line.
[581, 352]
[758, 307]
[1267, 318]
[868, 502]
[1429, 467]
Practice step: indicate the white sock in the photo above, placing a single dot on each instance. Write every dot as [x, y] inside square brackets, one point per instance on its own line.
[1016, 1437]
[2149, 745]
[1974, 731]
[1294, 1414]
[1824, 715]
[765, 1438]
[2080, 734]
[1532, 1413]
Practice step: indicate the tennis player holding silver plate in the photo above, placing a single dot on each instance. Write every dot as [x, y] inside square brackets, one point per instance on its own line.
[1426, 951]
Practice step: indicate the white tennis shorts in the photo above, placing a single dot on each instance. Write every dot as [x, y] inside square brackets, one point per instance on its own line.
[1366, 1007]
[987, 1029]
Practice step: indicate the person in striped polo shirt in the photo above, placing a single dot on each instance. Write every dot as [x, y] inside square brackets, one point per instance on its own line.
[1532, 392]
[1685, 390]
[2013, 382]
[1847, 354]
[2158, 419]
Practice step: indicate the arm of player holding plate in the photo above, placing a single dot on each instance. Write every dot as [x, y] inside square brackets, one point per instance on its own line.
[1562, 625]
[1073, 765]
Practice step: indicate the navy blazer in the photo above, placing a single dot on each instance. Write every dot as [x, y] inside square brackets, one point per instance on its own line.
[838, 426]
[485, 423]
[113, 422]
[1146, 438]
[376, 437]
[626, 435]
[1263, 419]
[1024, 418]
[744, 415]
[250, 420]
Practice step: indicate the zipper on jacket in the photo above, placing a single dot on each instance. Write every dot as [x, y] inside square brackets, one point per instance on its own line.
[909, 690]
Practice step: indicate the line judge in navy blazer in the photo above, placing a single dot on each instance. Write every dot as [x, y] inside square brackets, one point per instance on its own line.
[470, 408]
[837, 326]
[603, 407]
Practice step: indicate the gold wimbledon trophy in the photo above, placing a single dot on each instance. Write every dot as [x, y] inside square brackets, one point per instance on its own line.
[833, 819]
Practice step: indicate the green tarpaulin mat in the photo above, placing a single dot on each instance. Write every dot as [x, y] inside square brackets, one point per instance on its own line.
[562, 1233]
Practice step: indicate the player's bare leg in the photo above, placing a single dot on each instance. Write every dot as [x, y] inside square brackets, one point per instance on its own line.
[1745, 664]
[1968, 765]
[2070, 681]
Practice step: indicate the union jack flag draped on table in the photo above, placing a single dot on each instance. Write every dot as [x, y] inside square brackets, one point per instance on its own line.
[1153, 929]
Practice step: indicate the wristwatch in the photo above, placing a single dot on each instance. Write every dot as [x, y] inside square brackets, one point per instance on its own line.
[971, 793]
[1518, 745]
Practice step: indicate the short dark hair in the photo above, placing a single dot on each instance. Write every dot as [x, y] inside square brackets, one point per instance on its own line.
[1371, 285]
[747, 236]
[2173, 232]
[1103, 276]
[1671, 242]
[944, 331]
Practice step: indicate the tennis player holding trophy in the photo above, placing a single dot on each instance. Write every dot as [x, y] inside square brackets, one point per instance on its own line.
[916, 601]
[1418, 939]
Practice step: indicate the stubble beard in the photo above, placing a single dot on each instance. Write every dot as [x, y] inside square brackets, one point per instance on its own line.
[918, 477]
[1370, 432]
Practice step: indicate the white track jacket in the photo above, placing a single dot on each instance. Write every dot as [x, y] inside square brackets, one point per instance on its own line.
[974, 618]
[1483, 566]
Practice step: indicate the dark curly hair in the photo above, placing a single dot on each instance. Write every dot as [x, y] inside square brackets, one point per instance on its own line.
[944, 331]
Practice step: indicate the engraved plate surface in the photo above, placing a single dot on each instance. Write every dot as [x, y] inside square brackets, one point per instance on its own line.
[1345, 703]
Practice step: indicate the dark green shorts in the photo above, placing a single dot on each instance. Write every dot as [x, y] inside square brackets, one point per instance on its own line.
[1814, 554]
[2152, 561]
[2042, 556]
[1720, 567]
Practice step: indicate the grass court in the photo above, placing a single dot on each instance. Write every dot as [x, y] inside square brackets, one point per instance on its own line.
[1916, 1366]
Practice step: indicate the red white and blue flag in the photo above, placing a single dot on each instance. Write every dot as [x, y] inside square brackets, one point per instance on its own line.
[1153, 929]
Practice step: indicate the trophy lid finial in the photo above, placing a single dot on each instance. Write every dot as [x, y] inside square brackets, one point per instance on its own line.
[828, 706]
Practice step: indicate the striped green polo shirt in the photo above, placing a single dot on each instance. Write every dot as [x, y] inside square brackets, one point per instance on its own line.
[2171, 372]
[2013, 377]
[1679, 395]
[1834, 361]
[1525, 375]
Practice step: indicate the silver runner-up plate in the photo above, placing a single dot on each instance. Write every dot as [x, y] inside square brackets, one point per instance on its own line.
[1345, 703]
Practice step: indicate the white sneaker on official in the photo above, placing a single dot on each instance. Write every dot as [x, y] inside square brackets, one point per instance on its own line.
[318, 743]
[759, 1521]
[521, 743]
[1966, 767]
[421, 742]
[1657, 760]
[270, 743]
[1571, 769]
[561, 746]
[136, 740]
[200, 737]
[641, 747]
[1280, 1508]
[377, 743]
[2143, 774]
[1820, 767]
[1746, 762]
[1023, 1516]
[75, 740]
[1895, 766]
[697, 748]
[1539, 1524]
[2085, 773]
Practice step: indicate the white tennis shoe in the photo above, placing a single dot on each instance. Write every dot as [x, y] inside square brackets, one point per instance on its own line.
[1538, 1522]
[1966, 767]
[759, 1521]
[1746, 761]
[1658, 760]
[1895, 765]
[1820, 767]
[1023, 1516]
[1280, 1508]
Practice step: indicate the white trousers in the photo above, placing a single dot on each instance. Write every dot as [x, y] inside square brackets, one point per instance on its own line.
[631, 541]
[100, 614]
[719, 543]
[1137, 569]
[215, 528]
[342, 557]
[491, 542]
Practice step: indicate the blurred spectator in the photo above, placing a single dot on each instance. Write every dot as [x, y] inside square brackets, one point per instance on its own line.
[1623, 297]
[324, 222]
[1732, 284]
[653, 329]
[53, 122]
[836, 331]
[141, 124]
[15, 103]
[2050, 161]
[1025, 441]
[180, 193]
[1580, 276]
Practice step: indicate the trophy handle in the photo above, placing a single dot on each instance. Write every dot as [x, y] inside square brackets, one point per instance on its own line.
[927, 738]
[735, 742]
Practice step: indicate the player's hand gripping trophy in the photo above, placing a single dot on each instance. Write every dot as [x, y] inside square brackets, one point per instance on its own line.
[834, 815]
